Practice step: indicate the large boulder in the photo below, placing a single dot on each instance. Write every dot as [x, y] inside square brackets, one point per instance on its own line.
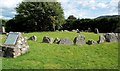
[65, 41]
[33, 38]
[79, 40]
[110, 37]
[91, 41]
[47, 39]
[56, 40]
[101, 39]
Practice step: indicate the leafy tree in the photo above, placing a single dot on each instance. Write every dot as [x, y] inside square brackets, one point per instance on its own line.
[70, 23]
[39, 16]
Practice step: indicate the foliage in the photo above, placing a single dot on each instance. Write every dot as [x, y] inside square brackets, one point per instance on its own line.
[111, 23]
[37, 16]
[2, 21]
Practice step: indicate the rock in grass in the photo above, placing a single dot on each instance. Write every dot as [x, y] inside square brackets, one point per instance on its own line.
[56, 40]
[96, 31]
[110, 37]
[91, 41]
[65, 41]
[33, 38]
[79, 40]
[47, 39]
[101, 39]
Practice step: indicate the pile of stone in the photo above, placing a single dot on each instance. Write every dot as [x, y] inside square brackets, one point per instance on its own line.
[15, 45]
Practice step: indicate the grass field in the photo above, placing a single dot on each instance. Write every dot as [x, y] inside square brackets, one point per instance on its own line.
[54, 56]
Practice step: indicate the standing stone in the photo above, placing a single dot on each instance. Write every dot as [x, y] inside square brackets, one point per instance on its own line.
[89, 30]
[79, 40]
[56, 40]
[2, 30]
[33, 38]
[91, 41]
[96, 31]
[77, 30]
[65, 41]
[101, 39]
[110, 37]
[47, 39]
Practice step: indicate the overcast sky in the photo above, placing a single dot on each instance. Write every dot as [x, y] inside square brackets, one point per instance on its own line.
[78, 8]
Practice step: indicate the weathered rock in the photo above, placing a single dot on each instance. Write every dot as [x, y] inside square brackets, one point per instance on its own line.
[96, 31]
[33, 38]
[47, 39]
[91, 41]
[101, 39]
[65, 41]
[1, 53]
[66, 31]
[74, 31]
[118, 36]
[77, 30]
[56, 40]
[11, 49]
[79, 40]
[110, 37]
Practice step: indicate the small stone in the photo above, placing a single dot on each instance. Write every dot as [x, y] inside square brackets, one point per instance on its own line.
[56, 40]
[33, 38]
[91, 41]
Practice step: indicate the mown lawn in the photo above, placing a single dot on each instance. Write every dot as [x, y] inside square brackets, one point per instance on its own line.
[54, 56]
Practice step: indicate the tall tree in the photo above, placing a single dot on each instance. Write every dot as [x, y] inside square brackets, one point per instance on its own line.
[39, 16]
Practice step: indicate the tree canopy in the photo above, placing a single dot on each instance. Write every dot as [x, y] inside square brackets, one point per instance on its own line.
[37, 16]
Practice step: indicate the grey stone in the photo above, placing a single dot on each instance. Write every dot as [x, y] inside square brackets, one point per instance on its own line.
[96, 31]
[74, 31]
[101, 39]
[91, 41]
[77, 30]
[47, 39]
[66, 31]
[33, 38]
[79, 40]
[110, 37]
[65, 41]
[56, 40]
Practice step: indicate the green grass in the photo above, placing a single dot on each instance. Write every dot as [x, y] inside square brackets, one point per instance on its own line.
[54, 56]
